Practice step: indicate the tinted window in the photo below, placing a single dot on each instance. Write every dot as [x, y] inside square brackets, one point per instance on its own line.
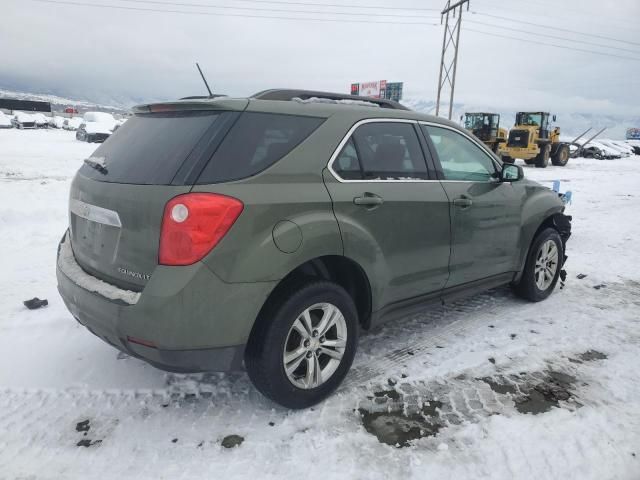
[347, 165]
[460, 158]
[149, 149]
[390, 151]
[255, 142]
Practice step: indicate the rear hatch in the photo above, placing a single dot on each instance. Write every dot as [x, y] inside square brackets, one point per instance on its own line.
[118, 196]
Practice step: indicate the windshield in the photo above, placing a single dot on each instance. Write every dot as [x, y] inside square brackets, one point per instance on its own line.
[534, 119]
[473, 121]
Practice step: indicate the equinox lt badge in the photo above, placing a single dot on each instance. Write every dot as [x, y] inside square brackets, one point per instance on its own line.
[141, 276]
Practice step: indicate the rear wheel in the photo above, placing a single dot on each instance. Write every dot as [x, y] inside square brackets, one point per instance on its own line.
[542, 159]
[561, 156]
[303, 344]
[530, 161]
[507, 159]
[544, 262]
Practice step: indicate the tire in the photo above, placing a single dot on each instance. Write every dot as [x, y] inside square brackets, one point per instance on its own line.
[529, 288]
[561, 156]
[274, 334]
[507, 159]
[89, 139]
[542, 159]
[530, 161]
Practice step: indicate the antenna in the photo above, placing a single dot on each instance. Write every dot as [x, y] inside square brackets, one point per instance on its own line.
[204, 80]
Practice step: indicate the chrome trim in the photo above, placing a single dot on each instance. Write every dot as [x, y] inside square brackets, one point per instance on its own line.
[94, 213]
[348, 136]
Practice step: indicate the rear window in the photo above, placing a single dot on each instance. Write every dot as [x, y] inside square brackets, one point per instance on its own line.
[256, 142]
[149, 149]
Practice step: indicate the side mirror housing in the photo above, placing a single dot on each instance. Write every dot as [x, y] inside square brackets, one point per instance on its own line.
[511, 173]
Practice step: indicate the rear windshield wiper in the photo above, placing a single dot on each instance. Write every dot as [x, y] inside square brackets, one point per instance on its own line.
[99, 163]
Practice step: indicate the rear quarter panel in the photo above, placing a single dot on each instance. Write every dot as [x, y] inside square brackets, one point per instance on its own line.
[290, 190]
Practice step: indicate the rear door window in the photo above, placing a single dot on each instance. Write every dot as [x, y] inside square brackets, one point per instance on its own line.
[347, 164]
[382, 151]
[148, 149]
[254, 143]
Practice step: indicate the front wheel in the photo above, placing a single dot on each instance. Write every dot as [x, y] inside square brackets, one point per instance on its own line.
[303, 344]
[542, 270]
[561, 156]
[542, 159]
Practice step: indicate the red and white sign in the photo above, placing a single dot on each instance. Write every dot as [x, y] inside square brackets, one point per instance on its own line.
[373, 89]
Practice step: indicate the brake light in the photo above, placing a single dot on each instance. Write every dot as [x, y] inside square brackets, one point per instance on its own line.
[193, 224]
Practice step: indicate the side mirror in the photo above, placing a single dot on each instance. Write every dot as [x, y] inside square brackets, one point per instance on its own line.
[511, 173]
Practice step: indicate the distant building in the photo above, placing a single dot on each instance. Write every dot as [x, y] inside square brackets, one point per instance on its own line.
[24, 105]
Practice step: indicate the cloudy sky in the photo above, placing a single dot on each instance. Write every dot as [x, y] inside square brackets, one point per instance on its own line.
[87, 49]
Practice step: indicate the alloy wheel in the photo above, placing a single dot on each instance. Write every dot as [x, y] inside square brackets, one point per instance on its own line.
[546, 265]
[315, 345]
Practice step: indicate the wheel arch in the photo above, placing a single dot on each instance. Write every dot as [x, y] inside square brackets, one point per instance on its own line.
[335, 268]
[559, 222]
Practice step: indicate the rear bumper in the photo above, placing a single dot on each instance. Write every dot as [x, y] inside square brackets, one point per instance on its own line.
[186, 319]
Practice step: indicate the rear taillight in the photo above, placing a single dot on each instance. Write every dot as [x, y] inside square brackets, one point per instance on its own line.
[193, 224]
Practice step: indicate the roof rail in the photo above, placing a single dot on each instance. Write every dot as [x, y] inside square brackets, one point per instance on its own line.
[289, 95]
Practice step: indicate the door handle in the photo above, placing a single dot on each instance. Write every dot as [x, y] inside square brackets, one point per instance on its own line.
[463, 202]
[368, 200]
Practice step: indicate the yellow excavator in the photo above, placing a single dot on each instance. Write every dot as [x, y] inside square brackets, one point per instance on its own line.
[486, 126]
[532, 141]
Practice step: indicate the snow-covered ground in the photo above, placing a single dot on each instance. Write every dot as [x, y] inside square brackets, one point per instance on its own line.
[488, 387]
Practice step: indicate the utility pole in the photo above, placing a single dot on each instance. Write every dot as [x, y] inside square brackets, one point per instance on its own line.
[451, 39]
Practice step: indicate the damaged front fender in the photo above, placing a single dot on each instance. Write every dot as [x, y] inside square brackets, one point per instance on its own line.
[562, 224]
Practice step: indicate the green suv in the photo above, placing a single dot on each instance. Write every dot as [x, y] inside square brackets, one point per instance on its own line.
[264, 233]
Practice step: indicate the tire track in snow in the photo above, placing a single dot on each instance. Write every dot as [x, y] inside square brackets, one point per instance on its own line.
[464, 317]
[458, 322]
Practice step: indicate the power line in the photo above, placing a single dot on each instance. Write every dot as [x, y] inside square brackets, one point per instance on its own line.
[273, 10]
[312, 12]
[241, 15]
[311, 4]
[552, 44]
[554, 28]
[500, 27]
[343, 20]
[582, 13]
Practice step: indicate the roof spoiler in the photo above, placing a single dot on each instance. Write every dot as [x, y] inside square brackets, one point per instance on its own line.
[289, 95]
[202, 97]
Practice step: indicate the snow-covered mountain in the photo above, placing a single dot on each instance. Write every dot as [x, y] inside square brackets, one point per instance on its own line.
[571, 124]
